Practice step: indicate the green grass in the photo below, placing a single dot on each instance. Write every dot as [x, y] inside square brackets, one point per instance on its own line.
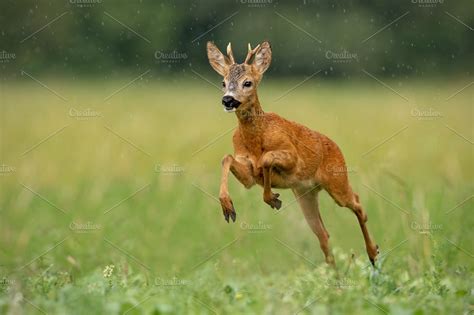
[143, 173]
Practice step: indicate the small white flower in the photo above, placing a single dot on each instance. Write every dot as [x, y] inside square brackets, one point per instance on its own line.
[108, 270]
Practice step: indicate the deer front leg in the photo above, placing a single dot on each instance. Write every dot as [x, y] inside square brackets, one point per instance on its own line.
[243, 173]
[284, 161]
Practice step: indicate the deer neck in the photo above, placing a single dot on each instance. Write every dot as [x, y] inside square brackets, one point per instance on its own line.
[252, 118]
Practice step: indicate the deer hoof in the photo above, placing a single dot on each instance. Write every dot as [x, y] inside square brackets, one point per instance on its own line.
[373, 255]
[330, 261]
[273, 201]
[228, 209]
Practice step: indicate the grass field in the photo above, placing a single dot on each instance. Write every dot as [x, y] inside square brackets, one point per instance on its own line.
[108, 202]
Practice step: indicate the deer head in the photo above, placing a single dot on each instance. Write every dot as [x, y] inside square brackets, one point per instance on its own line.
[240, 80]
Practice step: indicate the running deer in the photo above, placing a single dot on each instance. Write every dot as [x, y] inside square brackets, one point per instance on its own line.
[277, 153]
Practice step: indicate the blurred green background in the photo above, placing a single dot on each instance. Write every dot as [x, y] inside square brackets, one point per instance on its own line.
[112, 133]
[99, 37]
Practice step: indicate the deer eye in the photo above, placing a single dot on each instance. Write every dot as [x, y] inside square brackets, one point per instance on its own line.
[223, 83]
[247, 84]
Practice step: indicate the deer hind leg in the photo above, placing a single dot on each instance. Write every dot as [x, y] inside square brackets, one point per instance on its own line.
[337, 185]
[372, 248]
[243, 172]
[308, 201]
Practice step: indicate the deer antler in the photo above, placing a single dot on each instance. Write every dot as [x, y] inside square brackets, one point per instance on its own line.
[251, 53]
[230, 54]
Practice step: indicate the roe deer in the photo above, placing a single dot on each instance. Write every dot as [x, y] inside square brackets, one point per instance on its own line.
[276, 153]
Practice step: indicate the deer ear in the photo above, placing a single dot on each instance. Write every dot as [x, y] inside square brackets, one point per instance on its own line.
[218, 61]
[263, 58]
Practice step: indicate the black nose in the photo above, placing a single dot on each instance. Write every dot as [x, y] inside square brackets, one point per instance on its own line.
[227, 100]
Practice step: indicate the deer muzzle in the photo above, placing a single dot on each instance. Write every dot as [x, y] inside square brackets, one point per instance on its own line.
[230, 103]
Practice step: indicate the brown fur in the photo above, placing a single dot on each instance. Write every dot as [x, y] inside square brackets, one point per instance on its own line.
[277, 153]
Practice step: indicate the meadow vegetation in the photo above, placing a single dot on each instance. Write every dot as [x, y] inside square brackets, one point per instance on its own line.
[108, 204]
